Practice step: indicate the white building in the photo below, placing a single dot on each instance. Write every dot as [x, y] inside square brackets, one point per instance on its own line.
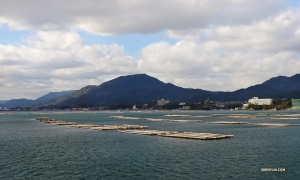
[257, 101]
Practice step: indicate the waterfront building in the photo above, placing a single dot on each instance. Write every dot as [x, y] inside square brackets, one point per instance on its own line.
[162, 102]
[257, 101]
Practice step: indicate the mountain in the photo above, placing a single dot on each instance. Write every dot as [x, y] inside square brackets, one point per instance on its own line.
[18, 103]
[143, 88]
[28, 102]
[131, 88]
[3, 101]
[50, 95]
[276, 87]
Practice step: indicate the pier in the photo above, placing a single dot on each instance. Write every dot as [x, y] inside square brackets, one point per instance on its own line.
[174, 134]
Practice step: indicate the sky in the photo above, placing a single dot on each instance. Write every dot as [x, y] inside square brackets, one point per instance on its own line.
[219, 45]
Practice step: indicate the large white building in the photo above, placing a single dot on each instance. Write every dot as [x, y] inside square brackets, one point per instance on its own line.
[257, 101]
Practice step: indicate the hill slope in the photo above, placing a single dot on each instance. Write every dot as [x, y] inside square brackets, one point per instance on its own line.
[28, 102]
[50, 95]
[276, 87]
[132, 88]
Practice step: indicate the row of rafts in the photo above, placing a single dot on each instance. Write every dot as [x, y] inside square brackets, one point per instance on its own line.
[136, 129]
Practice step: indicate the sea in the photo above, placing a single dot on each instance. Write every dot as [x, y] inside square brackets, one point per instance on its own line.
[30, 149]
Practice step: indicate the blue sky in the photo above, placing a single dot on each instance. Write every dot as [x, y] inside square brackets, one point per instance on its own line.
[12, 36]
[220, 45]
[133, 43]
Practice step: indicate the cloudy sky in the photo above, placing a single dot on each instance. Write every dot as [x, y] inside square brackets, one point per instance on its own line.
[219, 45]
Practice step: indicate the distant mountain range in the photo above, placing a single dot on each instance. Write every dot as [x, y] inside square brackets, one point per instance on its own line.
[143, 88]
[28, 102]
[276, 87]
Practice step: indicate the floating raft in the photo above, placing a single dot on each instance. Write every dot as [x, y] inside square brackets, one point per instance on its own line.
[154, 119]
[54, 121]
[177, 115]
[241, 117]
[255, 124]
[7, 113]
[173, 120]
[285, 115]
[274, 124]
[184, 115]
[174, 134]
[227, 122]
[285, 118]
[86, 126]
[89, 126]
[200, 116]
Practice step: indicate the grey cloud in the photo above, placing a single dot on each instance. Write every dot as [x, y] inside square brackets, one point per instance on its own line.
[145, 16]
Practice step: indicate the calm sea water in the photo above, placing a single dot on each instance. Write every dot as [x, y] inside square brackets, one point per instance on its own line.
[33, 150]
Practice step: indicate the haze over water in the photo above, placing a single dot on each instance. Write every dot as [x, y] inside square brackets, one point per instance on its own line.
[35, 150]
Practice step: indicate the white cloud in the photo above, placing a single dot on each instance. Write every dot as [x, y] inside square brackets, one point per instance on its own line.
[275, 34]
[228, 57]
[131, 16]
[188, 65]
[54, 61]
